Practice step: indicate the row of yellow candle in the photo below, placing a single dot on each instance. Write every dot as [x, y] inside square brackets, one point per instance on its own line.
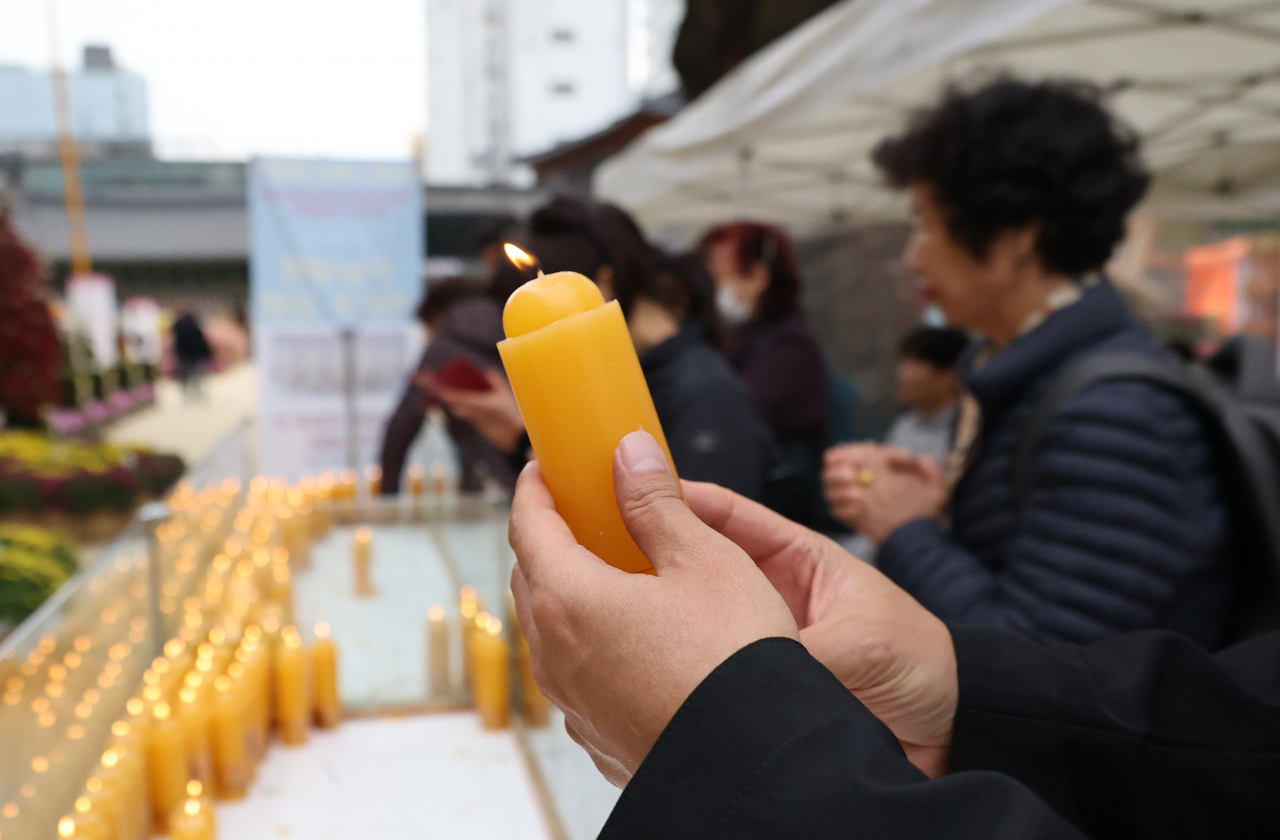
[345, 486]
[72, 678]
[206, 716]
[487, 663]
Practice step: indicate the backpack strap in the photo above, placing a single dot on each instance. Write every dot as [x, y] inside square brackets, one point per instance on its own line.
[1251, 461]
[1080, 376]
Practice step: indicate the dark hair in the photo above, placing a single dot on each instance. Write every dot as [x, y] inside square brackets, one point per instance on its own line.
[935, 346]
[442, 295]
[687, 290]
[1015, 153]
[752, 243]
[571, 234]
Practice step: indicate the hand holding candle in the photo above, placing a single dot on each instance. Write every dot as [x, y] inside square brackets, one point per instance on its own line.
[575, 374]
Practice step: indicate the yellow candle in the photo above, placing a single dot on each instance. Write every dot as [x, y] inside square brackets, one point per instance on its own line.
[192, 819]
[122, 772]
[193, 712]
[324, 670]
[416, 483]
[492, 673]
[347, 484]
[166, 763]
[474, 628]
[291, 689]
[362, 554]
[91, 822]
[105, 800]
[228, 734]
[373, 475]
[576, 376]
[250, 698]
[468, 606]
[438, 477]
[438, 651]
[323, 521]
[536, 707]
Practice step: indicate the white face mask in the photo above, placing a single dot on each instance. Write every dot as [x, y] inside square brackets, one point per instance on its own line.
[731, 308]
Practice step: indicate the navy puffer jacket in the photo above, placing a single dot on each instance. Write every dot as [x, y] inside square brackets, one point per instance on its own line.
[1126, 526]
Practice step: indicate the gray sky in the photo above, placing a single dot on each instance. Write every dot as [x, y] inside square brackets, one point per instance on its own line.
[235, 78]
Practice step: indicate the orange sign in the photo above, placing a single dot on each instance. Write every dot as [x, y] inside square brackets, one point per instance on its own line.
[1213, 281]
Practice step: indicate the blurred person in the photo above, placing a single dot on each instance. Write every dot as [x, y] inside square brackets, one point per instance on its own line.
[770, 344]
[490, 238]
[1019, 196]
[764, 684]
[711, 426]
[461, 323]
[930, 389]
[193, 354]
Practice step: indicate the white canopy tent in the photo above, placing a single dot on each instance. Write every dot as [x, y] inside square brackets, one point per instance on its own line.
[785, 137]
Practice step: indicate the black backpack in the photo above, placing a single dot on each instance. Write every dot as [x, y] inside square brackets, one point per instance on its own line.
[1237, 394]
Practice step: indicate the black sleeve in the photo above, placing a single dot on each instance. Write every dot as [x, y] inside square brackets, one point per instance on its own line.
[771, 745]
[719, 438]
[1143, 735]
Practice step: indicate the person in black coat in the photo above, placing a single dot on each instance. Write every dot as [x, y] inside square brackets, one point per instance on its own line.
[462, 323]
[766, 684]
[192, 351]
[1020, 193]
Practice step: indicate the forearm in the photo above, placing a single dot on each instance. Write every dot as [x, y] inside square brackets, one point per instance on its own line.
[771, 745]
[1141, 735]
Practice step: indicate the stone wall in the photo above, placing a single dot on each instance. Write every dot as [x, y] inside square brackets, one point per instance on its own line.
[861, 301]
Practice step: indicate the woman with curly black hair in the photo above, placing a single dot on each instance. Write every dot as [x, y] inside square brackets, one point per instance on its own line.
[1020, 193]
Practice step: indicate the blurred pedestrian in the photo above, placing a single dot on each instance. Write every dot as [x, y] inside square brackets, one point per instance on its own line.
[463, 327]
[1019, 196]
[770, 344]
[930, 389]
[193, 353]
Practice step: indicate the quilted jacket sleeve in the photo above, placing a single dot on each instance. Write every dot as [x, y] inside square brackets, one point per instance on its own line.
[1124, 527]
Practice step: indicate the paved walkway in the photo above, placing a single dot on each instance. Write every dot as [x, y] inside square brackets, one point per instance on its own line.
[192, 428]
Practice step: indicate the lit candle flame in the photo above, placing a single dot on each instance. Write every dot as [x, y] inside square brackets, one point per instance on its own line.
[520, 258]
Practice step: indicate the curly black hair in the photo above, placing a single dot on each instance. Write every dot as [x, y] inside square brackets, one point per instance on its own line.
[1013, 153]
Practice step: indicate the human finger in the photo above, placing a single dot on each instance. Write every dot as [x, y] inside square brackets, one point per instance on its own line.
[781, 548]
[651, 501]
[751, 526]
[520, 595]
[538, 535]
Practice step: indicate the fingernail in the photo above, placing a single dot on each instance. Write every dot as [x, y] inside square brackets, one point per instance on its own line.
[639, 452]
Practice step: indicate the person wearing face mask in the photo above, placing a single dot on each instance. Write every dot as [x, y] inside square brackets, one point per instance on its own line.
[769, 341]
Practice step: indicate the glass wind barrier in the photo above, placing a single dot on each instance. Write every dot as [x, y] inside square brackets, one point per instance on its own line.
[396, 584]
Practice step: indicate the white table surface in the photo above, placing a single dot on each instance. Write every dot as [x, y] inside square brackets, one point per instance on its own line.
[424, 776]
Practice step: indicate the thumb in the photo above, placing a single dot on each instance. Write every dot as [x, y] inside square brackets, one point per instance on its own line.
[651, 501]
